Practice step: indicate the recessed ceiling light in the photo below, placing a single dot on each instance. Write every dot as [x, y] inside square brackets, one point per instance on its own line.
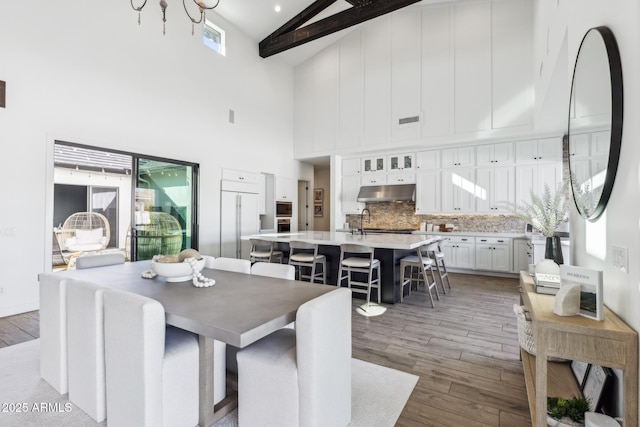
[277, 8]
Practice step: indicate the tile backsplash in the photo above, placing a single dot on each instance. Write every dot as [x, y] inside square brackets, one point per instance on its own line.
[402, 216]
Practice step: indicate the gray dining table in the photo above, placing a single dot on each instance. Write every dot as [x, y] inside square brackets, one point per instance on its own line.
[238, 310]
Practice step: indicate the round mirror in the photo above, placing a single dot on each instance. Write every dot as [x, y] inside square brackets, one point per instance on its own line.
[595, 122]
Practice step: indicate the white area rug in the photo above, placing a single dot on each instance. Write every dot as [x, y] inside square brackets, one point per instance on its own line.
[378, 396]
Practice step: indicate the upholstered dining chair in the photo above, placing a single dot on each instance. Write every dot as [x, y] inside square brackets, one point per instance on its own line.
[280, 271]
[300, 377]
[151, 369]
[231, 264]
[85, 348]
[99, 260]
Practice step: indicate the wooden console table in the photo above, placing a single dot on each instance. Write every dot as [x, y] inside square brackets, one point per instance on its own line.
[609, 343]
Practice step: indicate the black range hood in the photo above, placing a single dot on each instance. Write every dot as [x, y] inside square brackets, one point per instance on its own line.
[387, 193]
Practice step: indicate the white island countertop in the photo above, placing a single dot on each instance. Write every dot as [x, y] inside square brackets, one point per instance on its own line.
[336, 238]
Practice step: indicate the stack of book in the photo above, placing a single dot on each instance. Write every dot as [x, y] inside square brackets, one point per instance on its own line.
[547, 283]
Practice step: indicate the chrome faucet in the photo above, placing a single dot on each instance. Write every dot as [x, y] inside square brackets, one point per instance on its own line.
[362, 219]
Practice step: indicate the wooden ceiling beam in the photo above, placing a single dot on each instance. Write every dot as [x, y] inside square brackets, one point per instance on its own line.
[289, 35]
[312, 10]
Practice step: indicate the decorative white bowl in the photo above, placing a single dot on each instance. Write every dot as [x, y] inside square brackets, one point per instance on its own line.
[176, 271]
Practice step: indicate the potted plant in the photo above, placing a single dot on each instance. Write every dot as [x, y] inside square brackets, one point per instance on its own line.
[545, 213]
[566, 412]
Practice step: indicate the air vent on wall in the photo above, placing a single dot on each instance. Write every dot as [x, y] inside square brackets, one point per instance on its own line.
[403, 121]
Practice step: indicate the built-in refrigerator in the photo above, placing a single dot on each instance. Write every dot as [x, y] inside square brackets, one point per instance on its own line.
[239, 216]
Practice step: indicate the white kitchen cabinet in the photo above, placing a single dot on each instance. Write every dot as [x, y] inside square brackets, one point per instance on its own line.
[374, 179]
[428, 188]
[401, 162]
[472, 70]
[522, 255]
[459, 252]
[458, 157]
[579, 147]
[239, 176]
[495, 154]
[539, 150]
[401, 178]
[600, 143]
[351, 166]
[262, 191]
[493, 254]
[493, 187]
[534, 178]
[376, 47]
[458, 191]
[286, 189]
[374, 164]
[428, 160]
[349, 196]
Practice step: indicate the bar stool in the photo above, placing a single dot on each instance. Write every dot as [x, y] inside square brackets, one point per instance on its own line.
[300, 256]
[359, 264]
[262, 250]
[438, 258]
[424, 264]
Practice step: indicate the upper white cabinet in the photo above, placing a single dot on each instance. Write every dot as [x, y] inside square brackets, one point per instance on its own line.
[240, 176]
[494, 186]
[401, 162]
[374, 179]
[495, 154]
[374, 164]
[458, 191]
[428, 188]
[303, 88]
[579, 147]
[286, 189]
[405, 75]
[351, 166]
[349, 196]
[458, 157]
[428, 160]
[377, 80]
[539, 150]
[534, 177]
[472, 73]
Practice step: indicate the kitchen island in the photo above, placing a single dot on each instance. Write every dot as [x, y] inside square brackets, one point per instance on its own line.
[389, 249]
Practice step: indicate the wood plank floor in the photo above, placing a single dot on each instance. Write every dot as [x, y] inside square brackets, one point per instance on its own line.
[465, 352]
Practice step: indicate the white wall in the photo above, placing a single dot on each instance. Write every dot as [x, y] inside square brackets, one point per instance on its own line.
[89, 74]
[620, 224]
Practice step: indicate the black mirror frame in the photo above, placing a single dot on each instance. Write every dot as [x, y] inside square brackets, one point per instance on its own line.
[617, 107]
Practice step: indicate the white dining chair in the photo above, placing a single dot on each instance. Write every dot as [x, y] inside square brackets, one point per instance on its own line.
[99, 260]
[85, 349]
[151, 369]
[231, 264]
[280, 271]
[300, 377]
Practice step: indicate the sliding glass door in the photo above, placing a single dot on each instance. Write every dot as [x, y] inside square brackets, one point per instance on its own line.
[165, 209]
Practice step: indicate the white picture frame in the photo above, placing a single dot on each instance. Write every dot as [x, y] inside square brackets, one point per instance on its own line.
[580, 370]
[594, 385]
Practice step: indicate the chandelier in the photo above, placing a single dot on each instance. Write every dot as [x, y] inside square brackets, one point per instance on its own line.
[202, 7]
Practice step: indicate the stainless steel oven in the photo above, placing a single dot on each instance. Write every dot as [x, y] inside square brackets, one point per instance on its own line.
[284, 225]
[284, 209]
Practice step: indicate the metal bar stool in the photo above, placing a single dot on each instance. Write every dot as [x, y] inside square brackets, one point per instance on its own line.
[359, 264]
[262, 250]
[305, 255]
[424, 264]
[440, 268]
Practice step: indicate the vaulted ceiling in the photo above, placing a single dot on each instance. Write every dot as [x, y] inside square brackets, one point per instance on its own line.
[326, 20]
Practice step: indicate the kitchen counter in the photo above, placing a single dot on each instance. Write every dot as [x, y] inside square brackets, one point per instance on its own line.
[336, 238]
[388, 248]
[478, 234]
